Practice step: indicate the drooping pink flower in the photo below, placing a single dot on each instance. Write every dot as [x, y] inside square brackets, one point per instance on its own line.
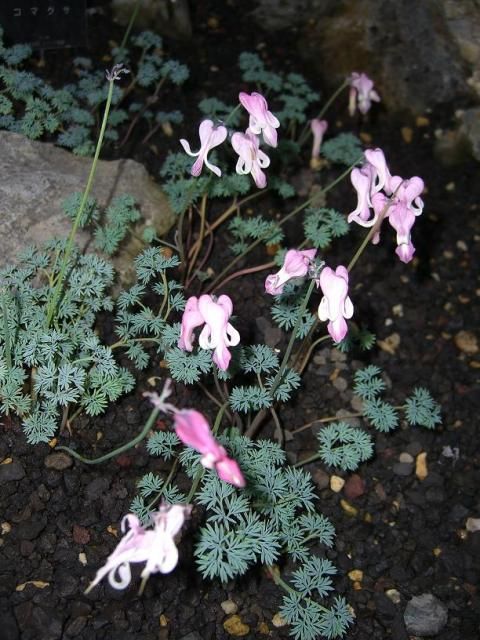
[217, 334]
[191, 319]
[335, 305]
[362, 93]
[262, 121]
[210, 137]
[193, 430]
[155, 547]
[381, 175]
[405, 207]
[251, 158]
[295, 265]
[362, 179]
[318, 128]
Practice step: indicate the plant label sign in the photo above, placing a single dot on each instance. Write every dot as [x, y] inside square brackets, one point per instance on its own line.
[44, 24]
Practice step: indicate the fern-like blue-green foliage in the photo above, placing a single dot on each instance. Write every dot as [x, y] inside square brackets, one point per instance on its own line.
[322, 225]
[245, 230]
[345, 149]
[344, 446]
[64, 364]
[31, 106]
[422, 410]
[274, 515]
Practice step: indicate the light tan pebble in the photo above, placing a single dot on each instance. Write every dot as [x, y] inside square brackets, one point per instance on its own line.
[82, 558]
[450, 186]
[229, 607]
[398, 310]
[467, 342]
[390, 344]
[473, 524]
[405, 457]
[279, 621]
[407, 134]
[421, 468]
[235, 627]
[393, 595]
[355, 575]
[357, 404]
[462, 245]
[422, 121]
[348, 508]
[336, 483]
[340, 383]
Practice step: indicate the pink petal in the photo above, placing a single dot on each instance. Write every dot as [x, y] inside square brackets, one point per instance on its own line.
[229, 471]
[193, 430]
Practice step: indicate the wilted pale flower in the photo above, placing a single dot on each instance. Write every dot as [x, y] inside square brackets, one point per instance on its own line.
[361, 93]
[335, 305]
[210, 137]
[318, 128]
[217, 334]
[251, 158]
[155, 547]
[262, 121]
[295, 265]
[193, 430]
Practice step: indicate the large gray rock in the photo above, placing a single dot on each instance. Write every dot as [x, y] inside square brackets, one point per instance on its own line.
[419, 54]
[425, 615]
[36, 177]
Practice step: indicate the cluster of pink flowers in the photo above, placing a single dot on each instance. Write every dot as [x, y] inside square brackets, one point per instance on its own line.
[156, 546]
[217, 332]
[392, 197]
[251, 159]
[335, 306]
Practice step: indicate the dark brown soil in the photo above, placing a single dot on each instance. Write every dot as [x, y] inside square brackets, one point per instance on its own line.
[403, 533]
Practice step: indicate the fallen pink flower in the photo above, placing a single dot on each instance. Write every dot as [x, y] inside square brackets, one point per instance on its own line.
[155, 547]
[251, 158]
[335, 305]
[193, 430]
[210, 137]
[362, 93]
[295, 265]
[262, 121]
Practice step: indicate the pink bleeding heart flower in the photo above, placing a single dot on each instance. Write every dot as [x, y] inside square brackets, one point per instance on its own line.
[382, 178]
[251, 158]
[261, 119]
[362, 93]
[318, 128]
[217, 333]
[295, 265]
[194, 431]
[362, 180]
[335, 305]
[406, 206]
[155, 547]
[210, 137]
[191, 319]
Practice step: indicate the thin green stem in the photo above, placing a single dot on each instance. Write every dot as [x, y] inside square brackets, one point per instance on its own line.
[6, 331]
[52, 306]
[133, 17]
[306, 131]
[143, 433]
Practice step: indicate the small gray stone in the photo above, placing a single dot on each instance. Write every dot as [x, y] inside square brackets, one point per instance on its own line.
[340, 383]
[406, 457]
[58, 460]
[425, 615]
[11, 472]
[402, 468]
